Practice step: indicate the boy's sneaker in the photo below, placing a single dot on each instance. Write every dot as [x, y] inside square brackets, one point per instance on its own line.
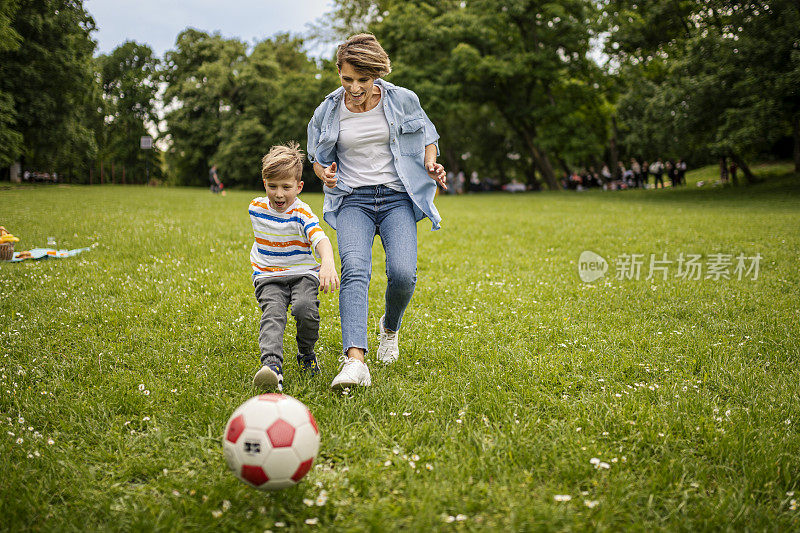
[269, 376]
[388, 350]
[353, 373]
[308, 363]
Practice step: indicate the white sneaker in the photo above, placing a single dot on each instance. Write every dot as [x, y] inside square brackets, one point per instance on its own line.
[353, 373]
[388, 350]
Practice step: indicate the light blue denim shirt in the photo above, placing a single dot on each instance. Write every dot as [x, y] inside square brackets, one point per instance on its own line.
[410, 131]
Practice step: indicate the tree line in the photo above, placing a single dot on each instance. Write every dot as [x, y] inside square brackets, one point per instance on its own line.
[518, 89]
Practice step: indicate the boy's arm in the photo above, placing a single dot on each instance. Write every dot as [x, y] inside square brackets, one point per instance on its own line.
[328, 278]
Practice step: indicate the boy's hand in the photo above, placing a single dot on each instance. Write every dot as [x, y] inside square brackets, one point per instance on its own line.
[329, 175]
[328, 278]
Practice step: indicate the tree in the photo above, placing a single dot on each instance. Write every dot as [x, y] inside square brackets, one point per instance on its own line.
[763, 49]
[279, 88]
[10, 137]
[201, 83]
[715, 76]
[45, 82]
[129, 77]
[229, 107]
[418, 38]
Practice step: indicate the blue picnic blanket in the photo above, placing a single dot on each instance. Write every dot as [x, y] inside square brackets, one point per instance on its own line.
[44, 253]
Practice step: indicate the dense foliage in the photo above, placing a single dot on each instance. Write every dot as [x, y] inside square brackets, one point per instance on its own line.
[707, 77]
[45, 83]
[128, 77]
[524, 89]
[227, 105]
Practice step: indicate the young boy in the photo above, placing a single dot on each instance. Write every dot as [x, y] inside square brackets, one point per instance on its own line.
[285, 270]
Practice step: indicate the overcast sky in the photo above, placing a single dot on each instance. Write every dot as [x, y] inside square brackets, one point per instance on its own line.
[158, 22]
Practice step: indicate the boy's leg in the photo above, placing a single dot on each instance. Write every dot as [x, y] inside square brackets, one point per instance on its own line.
[398, 231]
[273, 298]
[305, 309]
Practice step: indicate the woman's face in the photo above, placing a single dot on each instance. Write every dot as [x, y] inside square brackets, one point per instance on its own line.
[358, 86]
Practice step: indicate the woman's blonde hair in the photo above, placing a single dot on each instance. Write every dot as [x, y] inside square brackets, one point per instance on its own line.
[284, 160]
[366, 54]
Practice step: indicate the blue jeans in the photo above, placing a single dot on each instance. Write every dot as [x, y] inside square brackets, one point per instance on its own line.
[365, 212]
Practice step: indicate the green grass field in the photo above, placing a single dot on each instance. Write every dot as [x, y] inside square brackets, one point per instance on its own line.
[525, 399]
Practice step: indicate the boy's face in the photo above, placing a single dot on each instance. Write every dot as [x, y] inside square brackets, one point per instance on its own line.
[282, 192]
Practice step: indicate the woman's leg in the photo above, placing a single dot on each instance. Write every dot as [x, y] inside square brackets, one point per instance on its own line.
[355, 233]
[398, 231]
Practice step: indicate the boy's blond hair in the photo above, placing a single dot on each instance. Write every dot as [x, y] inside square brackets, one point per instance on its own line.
[283, 160]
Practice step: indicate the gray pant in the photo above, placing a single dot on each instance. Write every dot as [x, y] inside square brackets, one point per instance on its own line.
[274, 294]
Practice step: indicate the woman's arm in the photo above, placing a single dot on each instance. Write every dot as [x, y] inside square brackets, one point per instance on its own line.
[326, 174]
[435, 170]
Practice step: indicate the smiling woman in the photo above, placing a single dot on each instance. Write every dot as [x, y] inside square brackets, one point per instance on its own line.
[375, 149]
[362, 60]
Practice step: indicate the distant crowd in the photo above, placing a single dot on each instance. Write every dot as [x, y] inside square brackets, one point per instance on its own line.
[459, 184]
[635, 176]
[40, 177]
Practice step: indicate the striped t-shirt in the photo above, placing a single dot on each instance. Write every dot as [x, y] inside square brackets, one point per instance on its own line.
[284, 242]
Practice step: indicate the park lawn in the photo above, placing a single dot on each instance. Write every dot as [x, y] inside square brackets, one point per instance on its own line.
[709, 176]
[647, 404]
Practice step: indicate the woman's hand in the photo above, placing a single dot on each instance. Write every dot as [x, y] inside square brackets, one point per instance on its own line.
[326, 174]
[437, 174]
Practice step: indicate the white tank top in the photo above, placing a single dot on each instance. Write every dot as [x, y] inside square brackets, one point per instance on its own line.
[363, 149]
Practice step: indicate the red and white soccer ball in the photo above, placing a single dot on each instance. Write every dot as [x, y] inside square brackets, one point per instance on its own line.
[270, 441]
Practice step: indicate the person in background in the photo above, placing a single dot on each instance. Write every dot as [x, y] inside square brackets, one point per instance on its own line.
[681, 170]
[657, 170]
[605, 173]
[723, 170]
[627, 177]
[670, 172]
[636, 168]
[645, 173]
[213, 179]
[459, 185]
[621, 173]
[474, 182]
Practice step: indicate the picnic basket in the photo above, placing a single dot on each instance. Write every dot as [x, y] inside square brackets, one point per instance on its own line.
[6, 245]
[6, 251]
